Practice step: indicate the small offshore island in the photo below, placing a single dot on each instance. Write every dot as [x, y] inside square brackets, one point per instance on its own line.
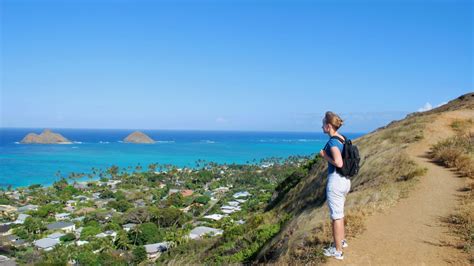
[46, 137]
[138, 137]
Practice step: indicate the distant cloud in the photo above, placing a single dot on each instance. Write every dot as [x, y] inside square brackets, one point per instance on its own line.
[428, 106]
[425, 107]
[221, 120]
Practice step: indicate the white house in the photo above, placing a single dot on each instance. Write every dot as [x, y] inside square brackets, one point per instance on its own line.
[71, 203]
[46, 244]
[81, 197]
[154, 250]
[172, 191]
[80, 185]
[21, 218]
[64, 226]
[62, 216]
[233, 203]
[6, 261]
[129, 226]
[221, 189]
[113, 183]
[29, 207]
[78, 219]
[78, 231]
[200, 231]
[227, 207]
[215, 217]
[55, 235]
[81, 242]
[107, 233]
[241, 194]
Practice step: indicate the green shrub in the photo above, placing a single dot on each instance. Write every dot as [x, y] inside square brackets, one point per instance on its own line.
[139, 254]
[68, 237]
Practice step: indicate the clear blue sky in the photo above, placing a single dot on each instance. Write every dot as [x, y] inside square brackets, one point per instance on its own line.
[230, 65]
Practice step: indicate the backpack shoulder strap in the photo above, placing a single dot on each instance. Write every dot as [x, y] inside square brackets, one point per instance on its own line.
[340, 139]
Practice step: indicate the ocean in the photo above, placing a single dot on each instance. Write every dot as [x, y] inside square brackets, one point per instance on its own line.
[26, 164]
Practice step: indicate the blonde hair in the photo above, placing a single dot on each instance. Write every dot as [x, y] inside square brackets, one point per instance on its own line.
[333, 119]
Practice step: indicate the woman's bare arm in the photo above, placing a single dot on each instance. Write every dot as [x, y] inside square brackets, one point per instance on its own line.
[336, 154]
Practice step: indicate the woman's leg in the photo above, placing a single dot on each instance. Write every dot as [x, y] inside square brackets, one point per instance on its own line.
[338, 232]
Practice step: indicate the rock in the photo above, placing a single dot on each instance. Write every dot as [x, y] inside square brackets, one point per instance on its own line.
[138, 137]
[46, 137]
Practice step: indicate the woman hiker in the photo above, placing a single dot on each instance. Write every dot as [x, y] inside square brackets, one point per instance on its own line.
[337, 186]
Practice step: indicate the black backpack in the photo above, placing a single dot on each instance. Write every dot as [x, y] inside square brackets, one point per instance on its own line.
[350, 158]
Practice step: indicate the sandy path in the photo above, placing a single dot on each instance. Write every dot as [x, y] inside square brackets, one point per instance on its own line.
[411, 233]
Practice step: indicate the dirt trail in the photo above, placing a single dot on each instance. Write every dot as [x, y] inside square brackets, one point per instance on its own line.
[411, 233]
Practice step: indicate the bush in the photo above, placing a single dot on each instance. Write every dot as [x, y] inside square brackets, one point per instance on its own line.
[202, 199]
[457, 152]
[68, 237]
[139, 254]
[147, 233]
[89, 231]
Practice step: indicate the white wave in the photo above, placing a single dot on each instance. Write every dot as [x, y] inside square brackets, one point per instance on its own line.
[308, 140]
[289, 140]
[164, 141]
[77, 142]
[268, 140]
[104, 142]
[16, 142]
[208, 141]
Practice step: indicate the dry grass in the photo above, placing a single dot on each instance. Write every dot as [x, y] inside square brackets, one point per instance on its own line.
[461, 222]
[457, 151]
[462, 125]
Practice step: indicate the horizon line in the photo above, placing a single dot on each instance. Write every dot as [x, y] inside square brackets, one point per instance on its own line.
[203, 130]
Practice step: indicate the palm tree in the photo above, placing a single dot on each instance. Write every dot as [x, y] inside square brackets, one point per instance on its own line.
[136, 231]
[113, 170]
[122, 242]
[152, 167]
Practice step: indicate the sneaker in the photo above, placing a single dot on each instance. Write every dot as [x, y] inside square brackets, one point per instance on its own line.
[344, 244]
[332, 252]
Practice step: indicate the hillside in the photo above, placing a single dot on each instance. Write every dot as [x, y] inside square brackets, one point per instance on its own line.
[388, 172]
[294, 226]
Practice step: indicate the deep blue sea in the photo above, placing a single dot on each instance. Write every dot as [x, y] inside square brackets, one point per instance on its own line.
[26, 164]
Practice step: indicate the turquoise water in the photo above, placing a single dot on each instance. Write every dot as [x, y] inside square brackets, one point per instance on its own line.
[26, 164]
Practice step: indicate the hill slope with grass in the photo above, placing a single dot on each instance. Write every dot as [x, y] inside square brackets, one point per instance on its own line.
[392, 167]
[294, 226]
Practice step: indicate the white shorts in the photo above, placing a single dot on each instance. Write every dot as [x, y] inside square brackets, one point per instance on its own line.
[336, 191]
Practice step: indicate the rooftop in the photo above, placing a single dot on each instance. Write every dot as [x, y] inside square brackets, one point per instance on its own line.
[58, 225]
[45, 243]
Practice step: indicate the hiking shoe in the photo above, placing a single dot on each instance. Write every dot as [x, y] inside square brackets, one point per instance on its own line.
[344, 244]
[332, 252]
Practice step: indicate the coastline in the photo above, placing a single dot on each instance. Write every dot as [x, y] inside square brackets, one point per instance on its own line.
[23, 165]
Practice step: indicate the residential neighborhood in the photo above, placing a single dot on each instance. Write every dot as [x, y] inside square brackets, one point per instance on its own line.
[132, 216]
